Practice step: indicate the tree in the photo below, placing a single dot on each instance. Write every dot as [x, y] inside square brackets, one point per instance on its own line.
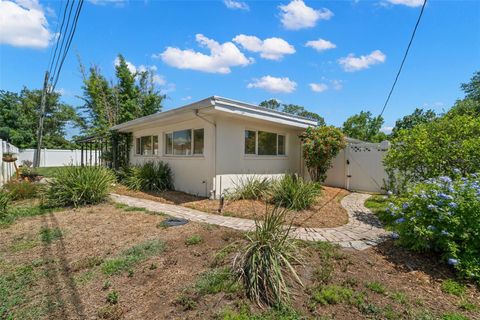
[444, 146]
[292, 109]
[418, 116]
[133, 95]
[19, 114]
[472, 88]
[365, 127]
[271, 104]
[320, 146]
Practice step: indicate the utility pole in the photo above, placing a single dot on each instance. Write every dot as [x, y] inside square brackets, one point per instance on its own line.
[43, 102]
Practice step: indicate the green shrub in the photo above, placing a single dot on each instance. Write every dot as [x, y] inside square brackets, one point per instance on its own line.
[332, 294]
[442, 215]
[376, 287]
[79, 186]
[453, 287]
[250, 188]
[215, 281]
[268, 259]
[434, 149]
[294, 193]
[19, 190]
[112, 297]
[151, 176]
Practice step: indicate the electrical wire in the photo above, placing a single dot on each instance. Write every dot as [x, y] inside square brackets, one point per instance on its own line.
[404, 58]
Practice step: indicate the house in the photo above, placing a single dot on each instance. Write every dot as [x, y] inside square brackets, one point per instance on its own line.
[209, 144]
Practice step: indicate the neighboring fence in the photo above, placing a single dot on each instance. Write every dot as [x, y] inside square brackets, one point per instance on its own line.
[59, 157]
[359, 167]
[7, 169]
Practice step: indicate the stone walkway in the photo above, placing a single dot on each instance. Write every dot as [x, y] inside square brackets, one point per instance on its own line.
[362, 230]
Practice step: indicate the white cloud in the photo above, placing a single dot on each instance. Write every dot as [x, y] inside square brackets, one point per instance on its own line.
[318, 87]
[271, 48]
[221, 58]
[386, 130]
[408, 3]
[23, 24]
[337, 84]
[296, 15]
[320, 44]
[130, 66]
[273, 84]
[352, 63]
[236, 5]
[186, 98]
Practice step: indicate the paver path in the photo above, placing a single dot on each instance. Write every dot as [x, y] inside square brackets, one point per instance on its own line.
[362, 230]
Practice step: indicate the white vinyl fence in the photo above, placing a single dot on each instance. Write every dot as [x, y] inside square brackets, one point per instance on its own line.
[58, 157]
[359, 167]
[7, 169]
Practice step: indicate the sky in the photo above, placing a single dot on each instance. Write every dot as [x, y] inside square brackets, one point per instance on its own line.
[335, 58]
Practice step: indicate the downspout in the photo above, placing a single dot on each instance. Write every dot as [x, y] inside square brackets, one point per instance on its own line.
[214, 150]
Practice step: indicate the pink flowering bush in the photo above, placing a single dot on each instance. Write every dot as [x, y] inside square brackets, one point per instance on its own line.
[442, 215]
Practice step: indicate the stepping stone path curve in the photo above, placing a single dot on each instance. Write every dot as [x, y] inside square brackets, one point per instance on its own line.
[362, 231]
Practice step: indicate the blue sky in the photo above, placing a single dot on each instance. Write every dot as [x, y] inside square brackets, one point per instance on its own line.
[335, 58]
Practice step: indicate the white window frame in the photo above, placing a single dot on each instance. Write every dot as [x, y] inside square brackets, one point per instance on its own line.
[138, 143]
[191, 144]
[256, 144]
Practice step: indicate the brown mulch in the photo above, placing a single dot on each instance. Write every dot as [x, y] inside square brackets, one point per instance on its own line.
[327, 212]
[102, 232]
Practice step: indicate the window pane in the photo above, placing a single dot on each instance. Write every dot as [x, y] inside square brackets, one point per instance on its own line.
[168, 144]
[182, 142]
[137, 146]
[155, 145]
[281, 145]
[198, 141]
[267, 143]
[250, 142]
[146, 145]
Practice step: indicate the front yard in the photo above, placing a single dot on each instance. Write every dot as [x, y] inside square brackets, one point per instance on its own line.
[112, 261]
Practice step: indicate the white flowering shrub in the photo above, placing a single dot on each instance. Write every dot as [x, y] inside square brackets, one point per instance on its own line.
[442, 215]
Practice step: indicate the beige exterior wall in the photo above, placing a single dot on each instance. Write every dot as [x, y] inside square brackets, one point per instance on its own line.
[223, 157]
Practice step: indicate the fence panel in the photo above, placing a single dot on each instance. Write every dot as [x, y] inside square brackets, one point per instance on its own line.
[7, 169]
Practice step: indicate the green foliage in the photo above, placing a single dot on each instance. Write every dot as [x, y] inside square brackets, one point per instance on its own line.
[454, 316]
[14, 213]
[453, 287]
[151, 176]
[19, 115]
[320, 146]
[294, 193]
[113, 297]
[48, 235]
[332, 294]
[434, 149]
[20, 190]
[193, 240]
[250, 187]
[131, 96]
[365, 127]
[376, 287]
[4, 202]
[472, 88]
[418, 116]
[293, 109]
[77, 186]
[270, 314]
[215, 281]
[132, 256]
[267, 260]
[442, 215]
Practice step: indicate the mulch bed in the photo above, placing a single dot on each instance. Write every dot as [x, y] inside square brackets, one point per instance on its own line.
[327, 212]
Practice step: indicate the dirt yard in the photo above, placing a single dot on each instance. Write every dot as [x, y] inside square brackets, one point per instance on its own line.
[117, 262]
[327, 211]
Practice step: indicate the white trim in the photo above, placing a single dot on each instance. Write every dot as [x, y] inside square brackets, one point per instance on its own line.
[192, 143]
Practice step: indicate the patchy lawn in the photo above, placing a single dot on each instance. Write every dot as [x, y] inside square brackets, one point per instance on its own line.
[327, 211]
[117, 262]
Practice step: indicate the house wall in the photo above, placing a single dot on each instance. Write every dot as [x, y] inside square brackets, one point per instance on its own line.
[232, 164]
[191, 174]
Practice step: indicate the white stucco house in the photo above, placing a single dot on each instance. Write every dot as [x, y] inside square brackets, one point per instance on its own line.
[210, 143]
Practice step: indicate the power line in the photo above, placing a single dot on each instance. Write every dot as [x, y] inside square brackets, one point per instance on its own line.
[404, 57]
[63, 35]
[53, 53]
[69, 42]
